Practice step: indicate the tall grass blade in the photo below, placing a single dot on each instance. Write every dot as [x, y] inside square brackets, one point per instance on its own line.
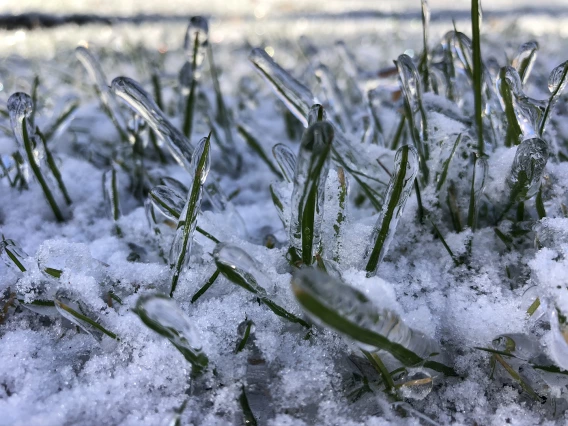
[400, 187]
[181, 246]
[477, 71]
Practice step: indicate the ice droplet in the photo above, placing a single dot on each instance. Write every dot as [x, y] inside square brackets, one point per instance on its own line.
[417, 384]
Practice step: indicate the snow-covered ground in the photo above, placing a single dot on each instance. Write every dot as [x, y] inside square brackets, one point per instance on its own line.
[56, 369]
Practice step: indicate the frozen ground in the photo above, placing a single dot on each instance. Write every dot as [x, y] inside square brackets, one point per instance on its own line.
[53, 372]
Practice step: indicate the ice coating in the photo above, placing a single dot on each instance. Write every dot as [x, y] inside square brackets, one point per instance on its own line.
[416, 384]
[558, 341]
[12, 254]
[527, 169]
[100, 81]
[527, 112]
[183, 239]
[355, 308]
[167, 200]
[558, 78]
[234, 261]
[195, 44]
[110, 192]
[317, 113]
[20, 106]
[524, 60]
[334, 96]
[479, 179]
[165, 317]
[406, 164]
[294, 94]
[141, 102]
[286, 159]
[70, 306]
[312, 166]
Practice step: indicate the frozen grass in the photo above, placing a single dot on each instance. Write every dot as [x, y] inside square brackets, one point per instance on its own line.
[398, 259]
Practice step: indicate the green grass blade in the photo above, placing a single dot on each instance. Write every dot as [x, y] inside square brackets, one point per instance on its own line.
[255, 145]
[205, 287]
[446, 164]
[54, 169]
[477, 73]
[37, 173]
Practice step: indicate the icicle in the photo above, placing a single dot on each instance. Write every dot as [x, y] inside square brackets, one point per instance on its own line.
[294, 94]
[339, 306]
[165, 317]
[400, 187]
[141, 102]
[524, 60]
[312, 166]
[181, 246]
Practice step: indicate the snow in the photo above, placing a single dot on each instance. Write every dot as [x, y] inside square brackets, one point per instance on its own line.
[53, 372]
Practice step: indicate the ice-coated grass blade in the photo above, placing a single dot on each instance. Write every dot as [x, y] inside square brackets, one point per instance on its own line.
[477, 71]
[286, 159]
[312, 166]
[235, 264]
[279, 202]
[37, 173]
[62, 121]
[335, 97]
[524, 60]
[181, 246]
[294, 94]
[35, 87]
[248, 326]
[556, 84]
[111, 196]
[53, 167]
[378, 365]
[195, 46]
[526, 171]
[342, 198]
[12, 254]
[400, 187]
[163, 315]
[539, 204]
[411, 88]
[205, 286]
[446, 164]
[70, 306]
[170, 202]
[106, 96]
[248, 415]
[255, 145]
[507, 84]
[341, 307]
[143, 104]
[424, 66]
[476, 190]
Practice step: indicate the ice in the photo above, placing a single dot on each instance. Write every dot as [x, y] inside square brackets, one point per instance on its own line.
[417, 384]
[286, 159]
[524, 60]
[398, 191]
[183, 239]
[20, 106]
[195, 44]
[100, 82]
[527, 169]
[141, 102]
[294, 94]
[164, 317]
[334, 97]
[312, 166]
